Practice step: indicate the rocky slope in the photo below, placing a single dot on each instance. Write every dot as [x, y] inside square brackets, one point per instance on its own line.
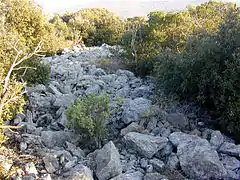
[145, 142]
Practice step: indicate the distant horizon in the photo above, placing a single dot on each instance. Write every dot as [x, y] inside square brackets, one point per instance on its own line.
[123, 8]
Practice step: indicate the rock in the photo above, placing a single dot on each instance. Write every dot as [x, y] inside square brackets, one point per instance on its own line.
[232, 166]
[157, 164]
[229, 162]
[98, 72]
[18, 119]
[143, 91]
[173, 161]
[197, 158]
[95, 89]
[149, 168]
[206, 134]
[129, 176]
[30, 168]
[121, 72]
[155, 176]
[165, 152]
[108, 162]
[145, 145]
[177, 138]
[64, 100]
[23, 146]
[133, 127]
[123, 92]
[178, 120]
[134, 109]
[152, 123]
[230, 149]
[29, 177]
[79, 172]
[29, 117]
[75, 151]
[216, 139]
[5, 162]
[44, 120]
[62, 120]
[144, 163]
[195, 132]
[54, 138]
[51, 163]
[52, 89]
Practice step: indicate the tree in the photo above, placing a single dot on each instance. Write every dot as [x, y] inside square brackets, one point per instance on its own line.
[95, 26]
[24, 18]
[11, 90]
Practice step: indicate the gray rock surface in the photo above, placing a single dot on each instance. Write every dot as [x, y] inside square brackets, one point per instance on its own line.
[134, 109]
[108, 162]
[54, 138]
[146, 145]
[230, 149]
[129, 176]
[133, 127]
[197, 157]
[79, 172]
[155, 176]
[178, 120]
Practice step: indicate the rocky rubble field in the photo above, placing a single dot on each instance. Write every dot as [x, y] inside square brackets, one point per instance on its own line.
[146, 141]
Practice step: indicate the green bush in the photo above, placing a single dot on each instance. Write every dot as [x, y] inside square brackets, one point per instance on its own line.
[207, 71]
[39, 75]
[89, 115]
[170, 30]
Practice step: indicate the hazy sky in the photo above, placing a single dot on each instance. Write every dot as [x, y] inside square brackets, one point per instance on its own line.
[121, 7]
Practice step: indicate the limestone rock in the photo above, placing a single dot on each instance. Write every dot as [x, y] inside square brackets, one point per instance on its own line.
[145, 145]
[178, 120]
[134, 109]
[197, 158]
[108, 162]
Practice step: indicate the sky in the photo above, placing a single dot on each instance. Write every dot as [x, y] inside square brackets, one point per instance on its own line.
[124, 8]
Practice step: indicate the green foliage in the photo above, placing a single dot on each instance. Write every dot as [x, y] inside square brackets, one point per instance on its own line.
[11, 102]
[171, 30]
[89, 115]
[39, 75]
[94, 26]
[207, 71]
[24, 18]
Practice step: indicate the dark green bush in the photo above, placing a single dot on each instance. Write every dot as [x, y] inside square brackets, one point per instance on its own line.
[170, 30]
[208, 71]
[89, 115]
[39, 75]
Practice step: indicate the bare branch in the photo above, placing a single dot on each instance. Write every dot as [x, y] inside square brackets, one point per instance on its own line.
[16, 69]
[10, 127]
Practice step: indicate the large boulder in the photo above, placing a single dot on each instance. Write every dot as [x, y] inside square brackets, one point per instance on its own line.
[198, 159]
[134, 109]
[108, 162]
[145, 145]
[54, 138]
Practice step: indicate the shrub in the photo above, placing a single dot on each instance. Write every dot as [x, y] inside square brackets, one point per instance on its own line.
[207, 71]
[11, 90]
[26, 19]
[89, 115]
[170, 30]
[39, 75]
